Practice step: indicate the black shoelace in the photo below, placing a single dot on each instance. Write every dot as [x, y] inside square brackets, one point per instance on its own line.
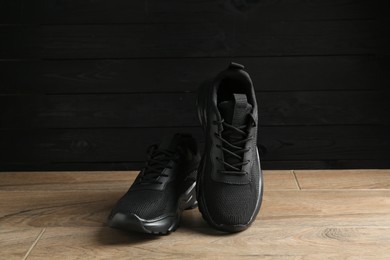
[234, 147]
[157, 161]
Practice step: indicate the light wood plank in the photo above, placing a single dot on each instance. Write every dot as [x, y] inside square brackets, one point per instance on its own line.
[15, 242]
[292, 224]
[90, 208]
[326, 204]
[343, 179]
[85, 180]
[258, 242]
[279, 180]
[57, 208]
[272, 217]
[110, 180]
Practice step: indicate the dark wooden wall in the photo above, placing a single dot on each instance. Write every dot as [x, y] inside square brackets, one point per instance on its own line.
[90, 84]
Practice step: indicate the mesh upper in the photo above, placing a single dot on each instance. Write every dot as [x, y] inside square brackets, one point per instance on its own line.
[227, 203]
[147, 204]
[149, 201]
[230, 204]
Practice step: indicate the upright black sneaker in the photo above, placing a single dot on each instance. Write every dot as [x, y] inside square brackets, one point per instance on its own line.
[162, 190]
[230, 180]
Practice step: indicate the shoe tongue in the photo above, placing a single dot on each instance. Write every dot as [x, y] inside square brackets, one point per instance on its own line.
[236, 111]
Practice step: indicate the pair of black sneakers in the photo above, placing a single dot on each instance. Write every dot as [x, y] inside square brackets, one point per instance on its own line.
[226, 182]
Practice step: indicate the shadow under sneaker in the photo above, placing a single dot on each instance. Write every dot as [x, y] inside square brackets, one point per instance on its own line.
[162, 190]
[230, 180]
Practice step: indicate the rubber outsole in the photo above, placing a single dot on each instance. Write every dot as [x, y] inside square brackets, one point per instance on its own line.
[201, 104]
[161, 225]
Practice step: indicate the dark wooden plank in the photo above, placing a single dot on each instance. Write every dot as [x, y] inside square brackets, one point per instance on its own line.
[321, 143]
[93, 166]
[128, 166]
[325, 143]
[259, 38]
[178, 109]
[185, 75]
[178, 11]
[111, 110]
[81, 145]
[10, 11]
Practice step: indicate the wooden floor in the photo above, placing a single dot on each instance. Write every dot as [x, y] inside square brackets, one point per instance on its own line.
[305, 215]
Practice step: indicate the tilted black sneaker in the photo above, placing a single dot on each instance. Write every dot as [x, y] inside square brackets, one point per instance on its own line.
[230, 180]
[162, 190]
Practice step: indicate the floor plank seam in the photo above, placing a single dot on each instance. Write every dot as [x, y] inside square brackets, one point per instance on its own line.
[296, 179]
[34, 243]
